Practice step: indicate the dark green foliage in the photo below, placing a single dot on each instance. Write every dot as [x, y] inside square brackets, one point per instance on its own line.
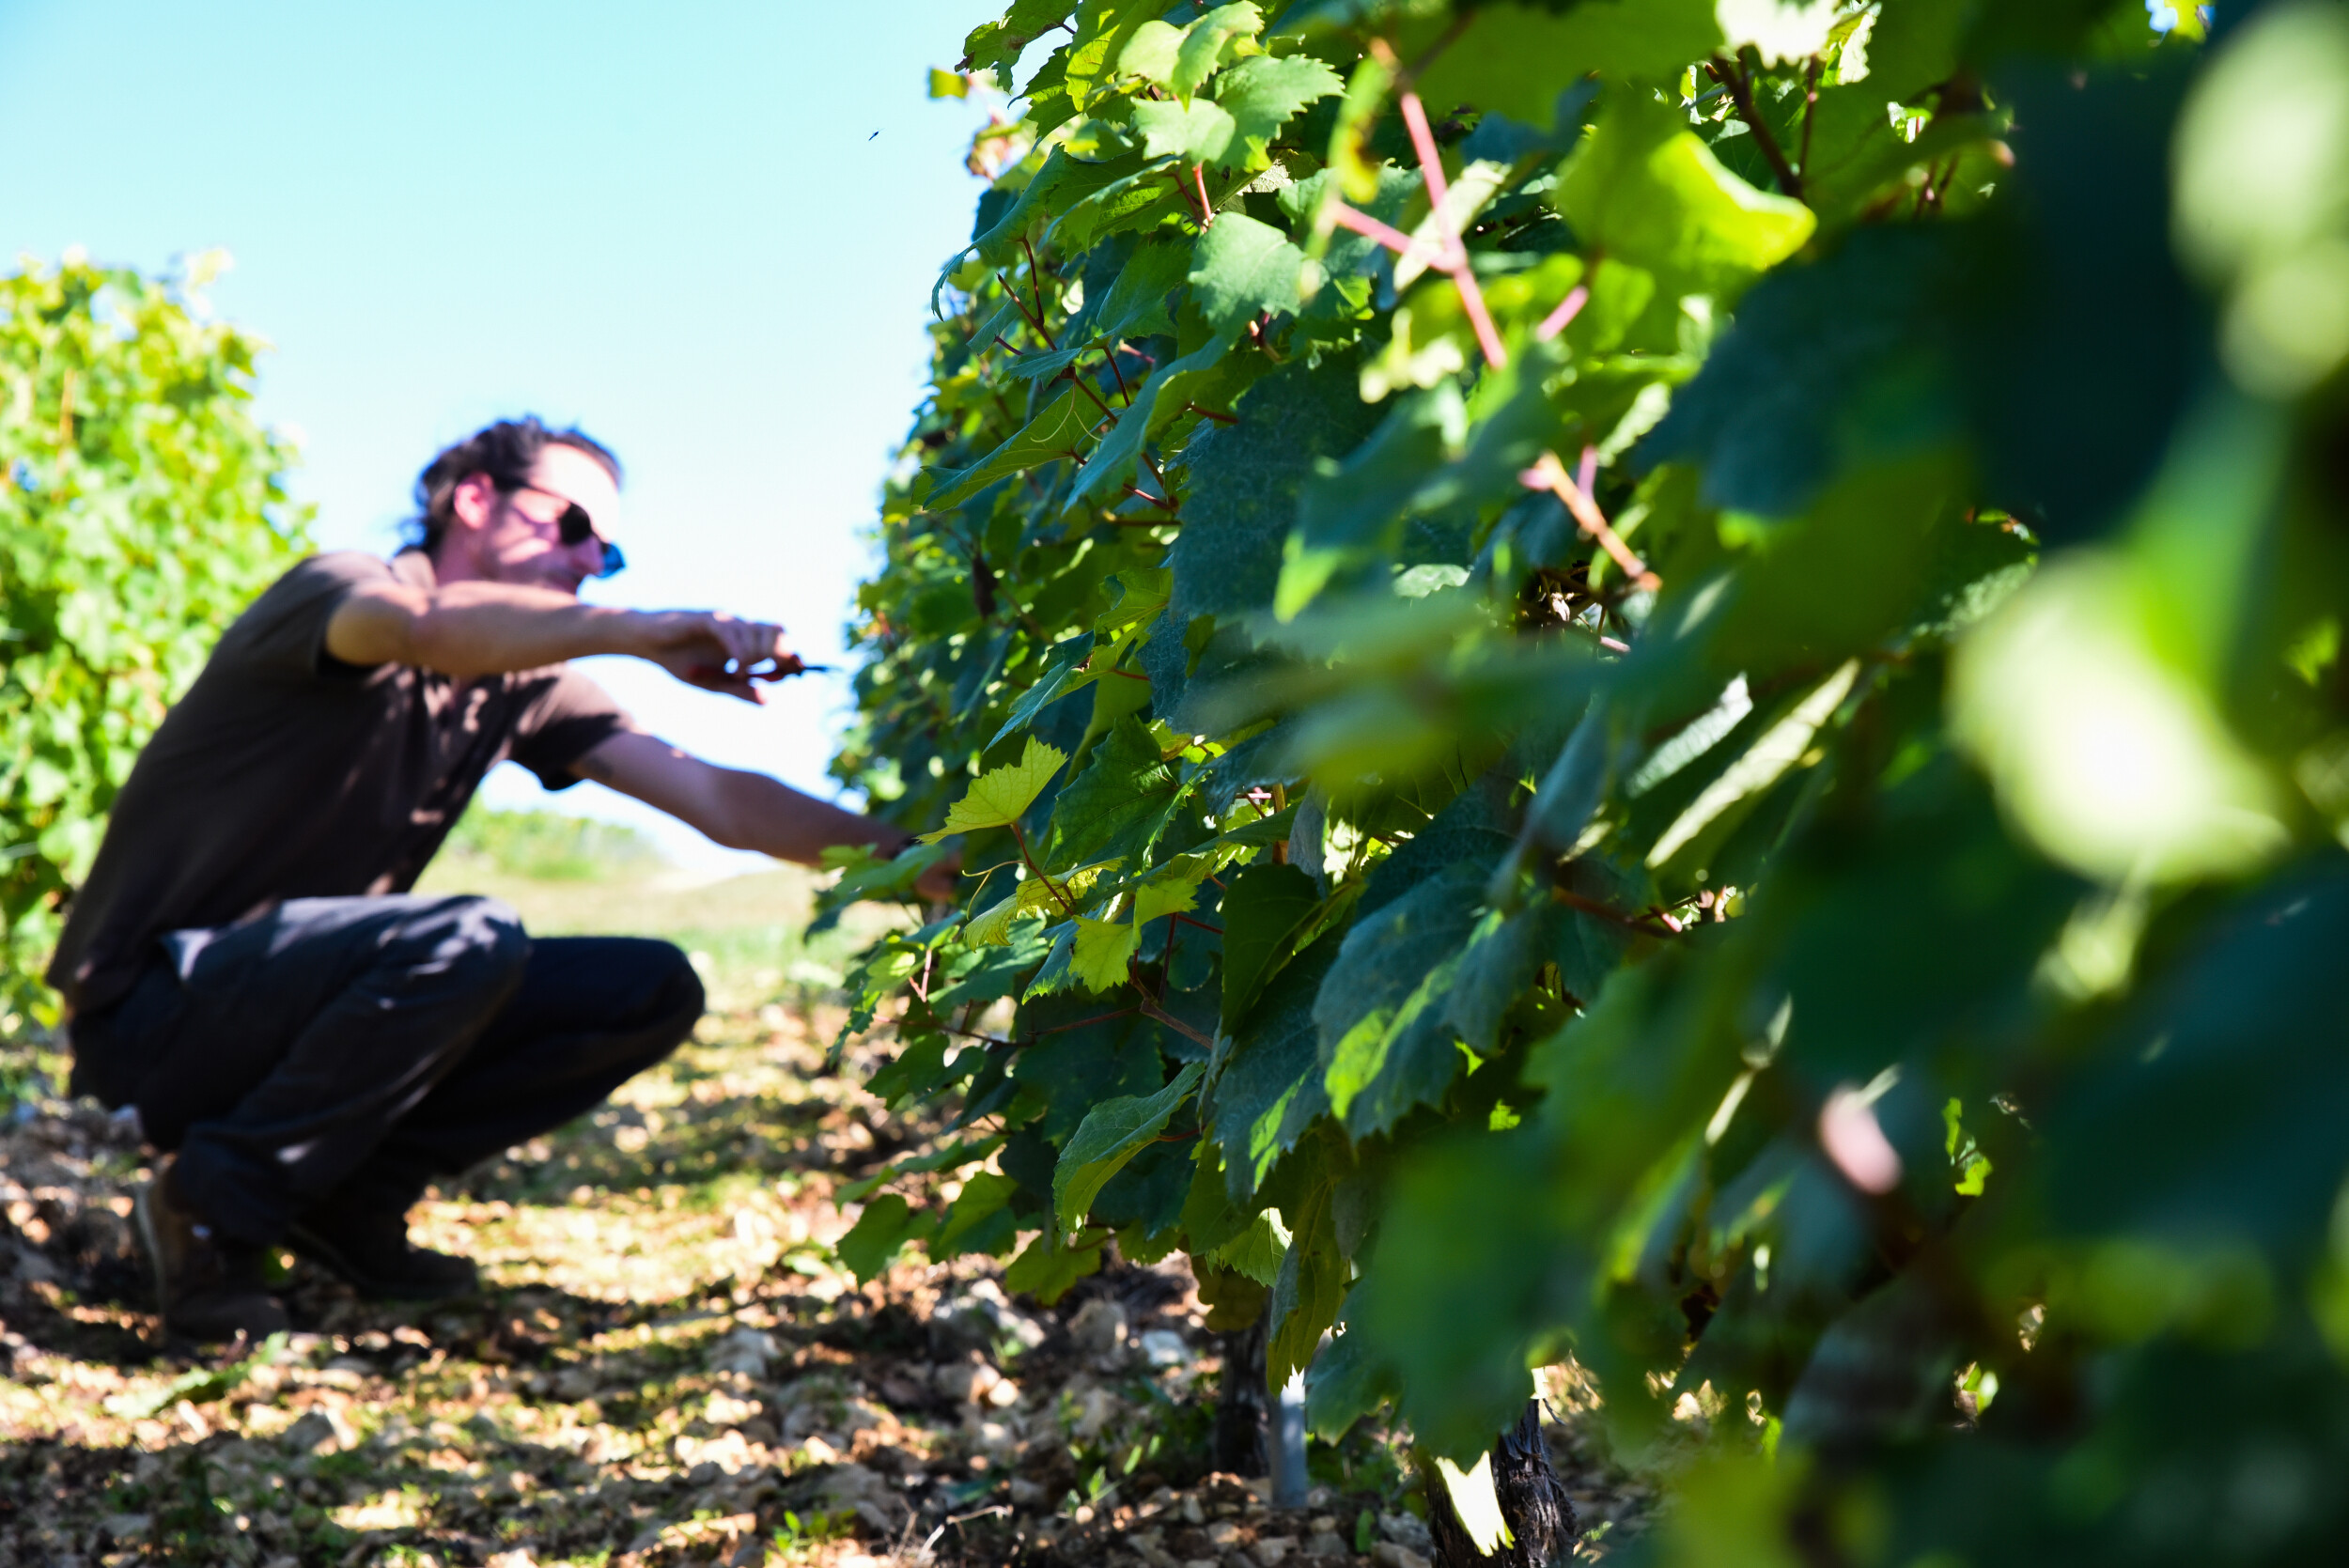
[1857, 929]
[142, 507]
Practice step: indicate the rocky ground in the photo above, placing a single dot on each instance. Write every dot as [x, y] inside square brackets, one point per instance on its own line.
[669, 1366]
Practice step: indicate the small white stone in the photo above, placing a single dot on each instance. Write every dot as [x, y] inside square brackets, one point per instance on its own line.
[1098, 1327]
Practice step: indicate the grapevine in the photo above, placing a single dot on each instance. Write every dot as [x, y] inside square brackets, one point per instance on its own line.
[1660, 683]
[142, 507]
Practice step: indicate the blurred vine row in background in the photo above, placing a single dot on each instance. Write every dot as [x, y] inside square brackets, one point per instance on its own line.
[142, 505]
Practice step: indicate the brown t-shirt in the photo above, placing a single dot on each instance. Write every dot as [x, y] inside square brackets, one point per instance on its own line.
[286, 773]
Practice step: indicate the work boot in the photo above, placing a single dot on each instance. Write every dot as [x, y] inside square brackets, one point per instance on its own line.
[210, 1288]
[370, 1249]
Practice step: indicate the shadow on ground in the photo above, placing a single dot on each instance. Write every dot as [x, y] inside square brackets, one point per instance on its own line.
[668, 1366]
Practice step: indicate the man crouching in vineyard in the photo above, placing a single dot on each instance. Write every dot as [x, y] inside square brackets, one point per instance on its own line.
[244, 963]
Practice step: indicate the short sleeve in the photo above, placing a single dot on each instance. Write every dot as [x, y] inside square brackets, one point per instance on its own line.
[566, 717]
[282, 636]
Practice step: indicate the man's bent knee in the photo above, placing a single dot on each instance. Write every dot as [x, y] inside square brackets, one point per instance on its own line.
[680, 999]
[477, 941]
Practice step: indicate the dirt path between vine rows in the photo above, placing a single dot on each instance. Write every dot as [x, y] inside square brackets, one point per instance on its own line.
[669, 1366]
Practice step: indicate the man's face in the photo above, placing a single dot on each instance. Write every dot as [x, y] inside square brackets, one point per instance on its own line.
[518, 536]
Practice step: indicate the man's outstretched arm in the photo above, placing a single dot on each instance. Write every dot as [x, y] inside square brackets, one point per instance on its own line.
[480, 629]
[742, 809]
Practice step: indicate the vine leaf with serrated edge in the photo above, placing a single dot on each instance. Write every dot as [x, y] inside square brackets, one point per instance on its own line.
[1001, 796]
[1113, 1133]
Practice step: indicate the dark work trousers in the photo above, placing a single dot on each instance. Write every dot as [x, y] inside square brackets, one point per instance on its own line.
[340, 1052]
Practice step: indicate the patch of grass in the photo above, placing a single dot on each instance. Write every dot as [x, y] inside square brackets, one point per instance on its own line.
[549, 847]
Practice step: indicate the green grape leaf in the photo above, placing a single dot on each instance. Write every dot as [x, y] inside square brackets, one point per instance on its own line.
[1060, 677]
[952, 1156]
[1157, 402]
[1353, 510]
[1244, 496]
[1266, 1087]
[1142, 596]
[1051, 103]
[1516, 59]
[1103, 948]
[1001, 796]
[979, 1219]
[1256, 1251]
[995, 45]
[989, 972]
[879, 1234]
[993, 928]
[1262, 93]
[1062, 182]
[1117, 807]
[1912, 47]
[1347, 1382]
[1264, 910]
[1104, 28]
[2215, 1114]
[1387, 1044]
[1197, 130]
[1046, 1269]
[914, 1073]
[1307, 1293]
[1210, 1218]
[1645, 188]
[1059, 431]
[1167, 895]
[1151, 53]
[1114, 1132]
[1136, 304]
[1825, 364]
[1242, 268]
[1210, 43]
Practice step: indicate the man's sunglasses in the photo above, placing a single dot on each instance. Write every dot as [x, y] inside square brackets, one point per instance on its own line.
[575, 527]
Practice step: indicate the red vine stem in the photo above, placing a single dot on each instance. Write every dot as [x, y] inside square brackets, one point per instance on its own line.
[1424, 143]
[1369, 227]
[1153, 1011]
[1449, 256]
[1568, 308]
[1550, 475]
[1728, 73]
[1031, 1038]
[1037, 321]
[1086, 387]
[1592, 906]
[1206, 216]
[1463, 275]
[1036, 285]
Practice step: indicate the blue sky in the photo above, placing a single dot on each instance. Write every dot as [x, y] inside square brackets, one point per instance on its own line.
[673, 224]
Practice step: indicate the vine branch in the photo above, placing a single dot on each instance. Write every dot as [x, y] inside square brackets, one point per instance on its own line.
[1550, 475]
[1054, 888]
[1740, 85]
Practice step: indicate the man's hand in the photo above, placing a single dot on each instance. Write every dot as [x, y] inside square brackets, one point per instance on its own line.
[716, 652]
[475, 628]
